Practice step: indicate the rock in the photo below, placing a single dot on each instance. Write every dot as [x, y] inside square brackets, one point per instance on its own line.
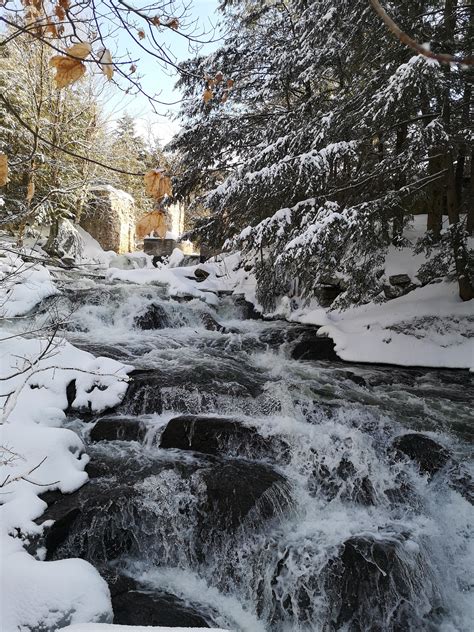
[109, 217]
[118, 428]
[236, 488]
[200, 274]
[401, 280]
[216, 435]
[247, 309]
[374, 582]
[392, 291]
[211, 324]
[327, 294]
[428, 454]
[154, 317]
[358, 489]
[146, 608]
[313, 347]
[135, 605]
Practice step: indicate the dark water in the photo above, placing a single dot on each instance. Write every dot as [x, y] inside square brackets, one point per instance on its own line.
[293, 510]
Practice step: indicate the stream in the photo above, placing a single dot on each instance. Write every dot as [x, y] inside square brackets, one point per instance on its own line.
[251, 481]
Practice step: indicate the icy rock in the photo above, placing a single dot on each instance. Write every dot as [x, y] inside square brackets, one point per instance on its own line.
[211, 323]
[248, 311]
[118, 429]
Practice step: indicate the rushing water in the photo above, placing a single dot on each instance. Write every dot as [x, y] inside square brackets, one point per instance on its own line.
[303, 517]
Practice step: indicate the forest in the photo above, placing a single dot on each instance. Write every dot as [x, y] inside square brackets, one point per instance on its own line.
[236, 315]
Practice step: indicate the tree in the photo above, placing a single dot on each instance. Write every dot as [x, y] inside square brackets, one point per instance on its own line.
[314, 142]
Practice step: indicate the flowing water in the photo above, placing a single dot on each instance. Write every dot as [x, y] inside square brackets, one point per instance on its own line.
[292, 511]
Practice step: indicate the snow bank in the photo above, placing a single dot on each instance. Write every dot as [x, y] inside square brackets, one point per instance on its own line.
[428, 327]
[94, 627]
[37, 455]
[22, 285]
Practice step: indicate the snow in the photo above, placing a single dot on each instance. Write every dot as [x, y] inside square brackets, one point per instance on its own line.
[93, 627]
[22, 285]
[37, 454]
[429, 327]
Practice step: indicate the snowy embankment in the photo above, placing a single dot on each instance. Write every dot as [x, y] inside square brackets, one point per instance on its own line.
[37, 455]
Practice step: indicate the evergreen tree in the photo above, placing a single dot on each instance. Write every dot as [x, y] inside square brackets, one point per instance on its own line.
[319, 135]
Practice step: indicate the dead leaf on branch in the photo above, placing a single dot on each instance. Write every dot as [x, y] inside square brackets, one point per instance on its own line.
[68, 70]
[141, 34]
[30, 191]
[59, 12]
[106, 63]
[208, 94]
[3, 169]
[64, 4]
[156, 21]
[80, 50]
[173, 24]
[157, 184]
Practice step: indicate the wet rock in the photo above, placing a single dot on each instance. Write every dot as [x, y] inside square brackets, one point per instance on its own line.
[247, 309]
[143, 394]
[118, 428]
[71, 392]
[211, 323]
[146, 608]
[216, 435]
[345, 482]
[135, 605]
[235, 489]
[374, 583]
[428, 454]
[313, 347]
[200, 274]
[155, 317]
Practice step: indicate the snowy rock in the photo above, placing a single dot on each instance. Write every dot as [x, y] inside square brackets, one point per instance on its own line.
[401, 280]
[200, 274]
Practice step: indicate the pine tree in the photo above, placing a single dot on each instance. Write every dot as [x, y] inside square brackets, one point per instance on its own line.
[330, 137]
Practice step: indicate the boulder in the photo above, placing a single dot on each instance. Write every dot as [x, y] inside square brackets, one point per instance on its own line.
[429, 455]
[118, 428]
[401, 280]
[154, 317]
[201, 275]
[217, 435]
[313, 347]
[211, 323]
[247, 309]
[373, 583]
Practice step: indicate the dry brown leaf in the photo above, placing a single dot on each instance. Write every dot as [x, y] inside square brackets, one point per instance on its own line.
[133, 69]
[152, 223]
[173, 23]
[3, 169]
[30, 191]
[141, 34]
[80, 50]
[225, 96]
[64, 4]
[68, 70]
[106, 63]
[157, 184]
[207, 96]
[219, 77]
[52, 29]
[156, 21]
[59, 12]
[230, 83]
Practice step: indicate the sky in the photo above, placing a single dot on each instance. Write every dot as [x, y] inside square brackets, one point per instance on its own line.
[157, 79]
